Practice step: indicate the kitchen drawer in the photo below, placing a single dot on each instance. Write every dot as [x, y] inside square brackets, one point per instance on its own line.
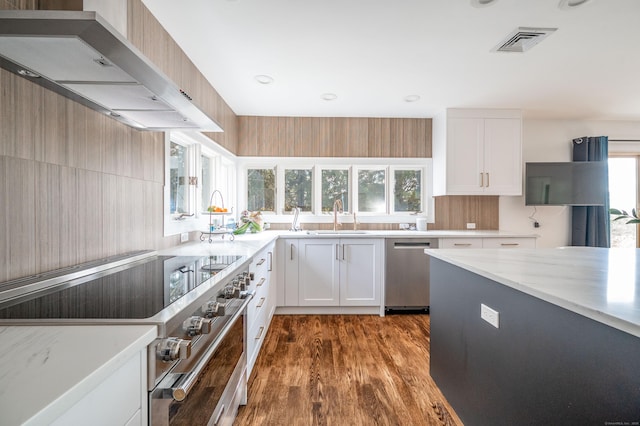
[509, 243]
[460, 243]
[256, 335]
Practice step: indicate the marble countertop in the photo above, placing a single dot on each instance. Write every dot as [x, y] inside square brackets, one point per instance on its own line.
[349, 233]
[45, 370]
[598, 283]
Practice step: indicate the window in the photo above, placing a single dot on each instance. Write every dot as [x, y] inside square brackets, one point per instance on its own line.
[378, 190]
[261, 190]
[623, 190]
[334, 185]
[178, 179]
[407, 191]
[371, 191]
[298, 189]
[206, 181]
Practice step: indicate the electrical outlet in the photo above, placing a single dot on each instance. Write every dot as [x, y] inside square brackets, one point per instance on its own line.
[490, 315]
[471, 225]
[184, 237]
[403, 226]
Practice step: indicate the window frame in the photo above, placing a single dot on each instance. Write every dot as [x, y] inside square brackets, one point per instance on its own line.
[392, 184]
[350, 163]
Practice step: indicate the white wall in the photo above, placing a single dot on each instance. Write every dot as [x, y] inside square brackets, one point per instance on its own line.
[550, 140]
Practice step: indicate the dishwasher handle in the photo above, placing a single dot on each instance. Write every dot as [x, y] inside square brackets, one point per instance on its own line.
[413, 245]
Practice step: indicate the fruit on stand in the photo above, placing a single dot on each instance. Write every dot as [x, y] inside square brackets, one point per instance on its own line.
[216, 209]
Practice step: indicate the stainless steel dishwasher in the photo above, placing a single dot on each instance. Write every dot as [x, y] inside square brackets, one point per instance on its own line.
[407, 274]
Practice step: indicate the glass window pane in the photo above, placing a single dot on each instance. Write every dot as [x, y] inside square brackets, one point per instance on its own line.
[179, 183]
[261, 194]
[371, 191]
[205, 182]
[335, 185]
[622, 196]
[407, 190]
[297, 189]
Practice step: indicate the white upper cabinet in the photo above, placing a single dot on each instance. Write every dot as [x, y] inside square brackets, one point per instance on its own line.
[477, 152]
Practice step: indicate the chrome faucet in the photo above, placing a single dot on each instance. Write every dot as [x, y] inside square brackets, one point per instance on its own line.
[294, 223]
[337, 204]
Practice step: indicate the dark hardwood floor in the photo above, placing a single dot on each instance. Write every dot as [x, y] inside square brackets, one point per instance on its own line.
[345, 370]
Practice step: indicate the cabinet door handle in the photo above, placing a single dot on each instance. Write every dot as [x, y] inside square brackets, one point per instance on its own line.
[462, 244]
[259, 305]
[270, 261]
[509, 244]
[481, 179]
[260, 262]
[262, 280]
[260, 333]
[291, 258]
[342, 251]
[487, 179]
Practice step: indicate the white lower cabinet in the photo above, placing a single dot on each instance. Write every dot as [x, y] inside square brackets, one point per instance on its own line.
[488, 242]
[332, 272]
[261, 308]
[121, 399]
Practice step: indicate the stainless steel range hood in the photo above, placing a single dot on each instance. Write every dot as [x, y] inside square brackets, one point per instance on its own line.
[81, 56]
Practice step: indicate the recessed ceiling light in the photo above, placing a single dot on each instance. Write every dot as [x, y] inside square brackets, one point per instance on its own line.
[264, 79]
[482, 3]
[412, 98]
[329, 96]
[570, 4]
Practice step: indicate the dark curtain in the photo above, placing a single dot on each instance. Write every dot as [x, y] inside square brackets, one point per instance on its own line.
[590, 224]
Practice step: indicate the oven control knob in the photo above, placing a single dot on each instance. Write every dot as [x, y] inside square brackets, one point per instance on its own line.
[172, 348]
[195, 326]
[212, 309]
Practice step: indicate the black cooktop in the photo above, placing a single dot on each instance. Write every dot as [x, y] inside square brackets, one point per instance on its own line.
[132, 292]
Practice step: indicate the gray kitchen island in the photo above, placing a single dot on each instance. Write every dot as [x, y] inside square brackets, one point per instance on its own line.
[546, 336]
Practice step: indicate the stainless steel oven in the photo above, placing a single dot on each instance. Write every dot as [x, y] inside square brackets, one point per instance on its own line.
[209, 389]
[197, 365]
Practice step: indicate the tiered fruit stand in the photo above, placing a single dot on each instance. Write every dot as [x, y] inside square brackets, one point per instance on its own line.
[221, 230]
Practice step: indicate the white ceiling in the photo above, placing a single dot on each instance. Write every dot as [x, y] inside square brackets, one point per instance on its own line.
[374, 53]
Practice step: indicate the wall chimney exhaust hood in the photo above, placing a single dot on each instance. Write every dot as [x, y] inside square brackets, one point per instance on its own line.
[82, 57]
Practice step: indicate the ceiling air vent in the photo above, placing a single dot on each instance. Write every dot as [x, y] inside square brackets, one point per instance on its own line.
[523, 39]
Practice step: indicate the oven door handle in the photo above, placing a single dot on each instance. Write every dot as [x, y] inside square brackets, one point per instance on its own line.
[184, 385]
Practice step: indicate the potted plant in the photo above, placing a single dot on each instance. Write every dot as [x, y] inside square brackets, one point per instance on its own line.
[622, 214]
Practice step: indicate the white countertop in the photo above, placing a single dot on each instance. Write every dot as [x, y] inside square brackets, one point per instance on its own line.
[45, 370]
[601, 284]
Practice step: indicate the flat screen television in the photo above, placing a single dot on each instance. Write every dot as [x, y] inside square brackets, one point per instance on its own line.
[579, 183]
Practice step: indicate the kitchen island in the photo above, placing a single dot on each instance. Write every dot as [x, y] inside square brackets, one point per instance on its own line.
[560, 341]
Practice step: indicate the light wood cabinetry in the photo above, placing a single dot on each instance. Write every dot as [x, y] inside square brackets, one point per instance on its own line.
[478, 152]
[487, 242]
[332, 272]
[334, 137]
[261, 309]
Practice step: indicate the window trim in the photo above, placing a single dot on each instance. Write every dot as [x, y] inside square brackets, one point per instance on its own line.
[351, 163]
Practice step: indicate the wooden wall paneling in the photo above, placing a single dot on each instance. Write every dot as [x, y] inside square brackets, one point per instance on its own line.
[454, 212]
[396, 137]
[410, 138]
[133, 211]
[379, 137]
[428, 131]
[357, 137]
[60, 4]
[89, 238]
[96, 126]
[76, 123]
[54, 147]
[339, 146]
[325, 141]
[110, 213]
[18, 4]
[267, 141]
[4, 224]
[109, 145]
[20, 217]
[24, 119]
[286, 136]
[302, 138]
[153, 217]
[7, 114]
[248, 134]
[123, 136]
[136, 147]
